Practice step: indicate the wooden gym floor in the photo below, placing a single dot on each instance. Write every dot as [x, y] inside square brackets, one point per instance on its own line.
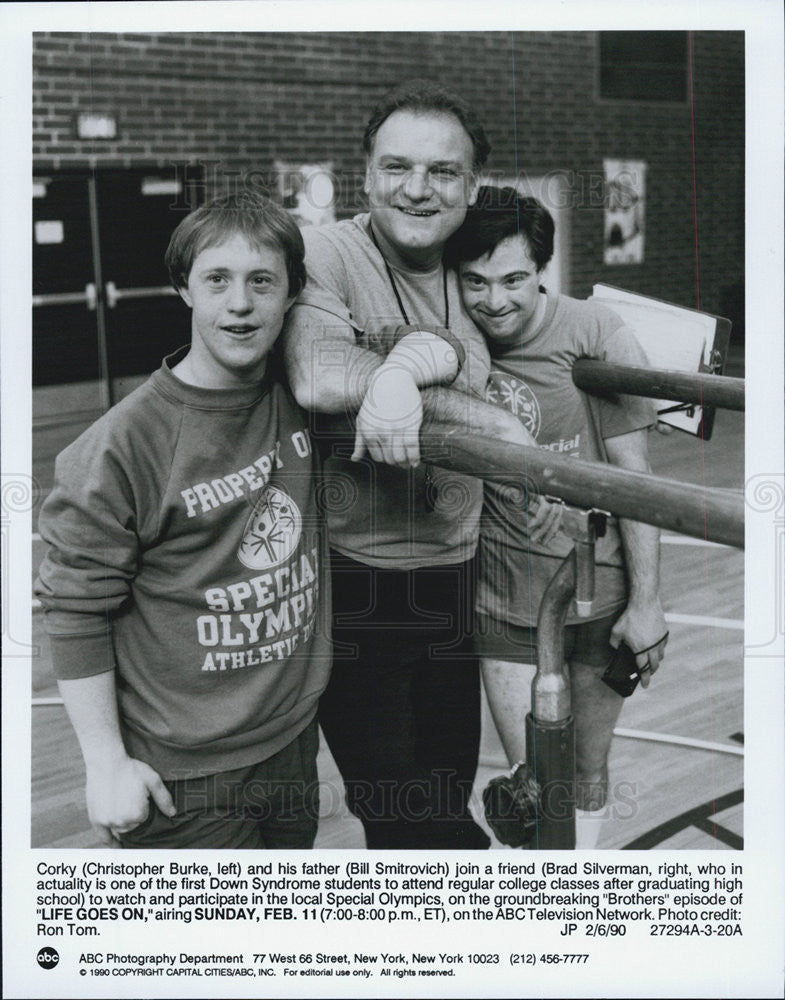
[664, 795]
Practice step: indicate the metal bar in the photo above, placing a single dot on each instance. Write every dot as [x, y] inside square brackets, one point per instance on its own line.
[104, 378]
[685, 387]
[715, 515]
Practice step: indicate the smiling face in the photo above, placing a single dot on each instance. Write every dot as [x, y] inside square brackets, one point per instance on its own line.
[239, 295]
[420, 182]
[501, 291]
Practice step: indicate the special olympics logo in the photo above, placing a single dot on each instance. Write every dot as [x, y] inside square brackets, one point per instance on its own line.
[272, 532]
[514, 395]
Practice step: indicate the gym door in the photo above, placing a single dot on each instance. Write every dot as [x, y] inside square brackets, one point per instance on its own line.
[104, 313]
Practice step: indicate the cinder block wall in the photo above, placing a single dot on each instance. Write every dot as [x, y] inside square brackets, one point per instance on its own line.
[241, 101]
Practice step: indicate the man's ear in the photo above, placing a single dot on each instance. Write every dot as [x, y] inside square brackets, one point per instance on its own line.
[367, 184]
[183, 293]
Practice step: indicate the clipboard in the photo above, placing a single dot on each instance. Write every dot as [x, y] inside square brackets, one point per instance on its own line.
[677, 338]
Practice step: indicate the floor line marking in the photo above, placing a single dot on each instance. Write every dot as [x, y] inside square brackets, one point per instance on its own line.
[686, 540]
[682, 741]
[735, 624]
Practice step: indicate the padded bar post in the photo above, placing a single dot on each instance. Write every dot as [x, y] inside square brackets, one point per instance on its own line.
[550, 727]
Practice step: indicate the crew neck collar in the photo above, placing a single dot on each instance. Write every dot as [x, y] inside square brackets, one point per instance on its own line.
[207, 399]
[497, 350]
[401, 268]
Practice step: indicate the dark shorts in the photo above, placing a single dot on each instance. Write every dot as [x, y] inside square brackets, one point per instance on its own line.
[272, 804]
[401, 713]
[587, 642]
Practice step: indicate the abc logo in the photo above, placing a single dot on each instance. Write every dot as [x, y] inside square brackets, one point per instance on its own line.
[47, 958]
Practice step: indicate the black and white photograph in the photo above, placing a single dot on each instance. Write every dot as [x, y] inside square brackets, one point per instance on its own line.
[381, 489]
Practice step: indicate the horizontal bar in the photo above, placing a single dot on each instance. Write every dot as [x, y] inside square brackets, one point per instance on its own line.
[716, 515]
[66, 419]
[685, 387]
[60, 299]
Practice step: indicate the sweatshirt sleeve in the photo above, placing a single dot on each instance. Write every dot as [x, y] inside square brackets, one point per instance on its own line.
[90, 525]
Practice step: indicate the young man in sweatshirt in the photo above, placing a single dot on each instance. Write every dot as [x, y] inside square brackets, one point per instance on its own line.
[186, 589]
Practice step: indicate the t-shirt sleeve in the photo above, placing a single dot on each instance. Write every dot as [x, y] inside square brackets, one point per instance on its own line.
[327, 281]
[90, 525]
[621, 414]
[329, 290]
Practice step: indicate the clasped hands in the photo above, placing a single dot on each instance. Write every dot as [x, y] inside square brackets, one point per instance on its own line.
[388, 422]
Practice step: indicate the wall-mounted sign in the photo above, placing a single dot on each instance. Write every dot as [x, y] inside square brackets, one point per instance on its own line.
[49, 231]
[308, 191]
[152, 186]
[96, 127]
[625, 217]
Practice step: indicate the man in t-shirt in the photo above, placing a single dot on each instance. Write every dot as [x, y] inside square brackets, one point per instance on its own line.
[401, 712]
[534, 337]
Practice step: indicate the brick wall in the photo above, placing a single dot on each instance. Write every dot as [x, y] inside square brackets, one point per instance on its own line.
[244, 100]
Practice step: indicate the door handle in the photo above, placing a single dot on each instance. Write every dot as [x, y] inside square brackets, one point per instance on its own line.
[113, 294]
[89, 297]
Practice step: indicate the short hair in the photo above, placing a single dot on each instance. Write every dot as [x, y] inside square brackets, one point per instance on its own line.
[260, 220]
[422, 96]
[498, 213]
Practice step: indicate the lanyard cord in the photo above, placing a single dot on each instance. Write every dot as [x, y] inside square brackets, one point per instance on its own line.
[430, 487]
[394, 285]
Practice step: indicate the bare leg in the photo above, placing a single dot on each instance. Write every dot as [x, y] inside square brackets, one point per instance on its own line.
[508, 689]
[596, 709]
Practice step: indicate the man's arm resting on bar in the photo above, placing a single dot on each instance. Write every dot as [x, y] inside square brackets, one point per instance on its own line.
[329, 373]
